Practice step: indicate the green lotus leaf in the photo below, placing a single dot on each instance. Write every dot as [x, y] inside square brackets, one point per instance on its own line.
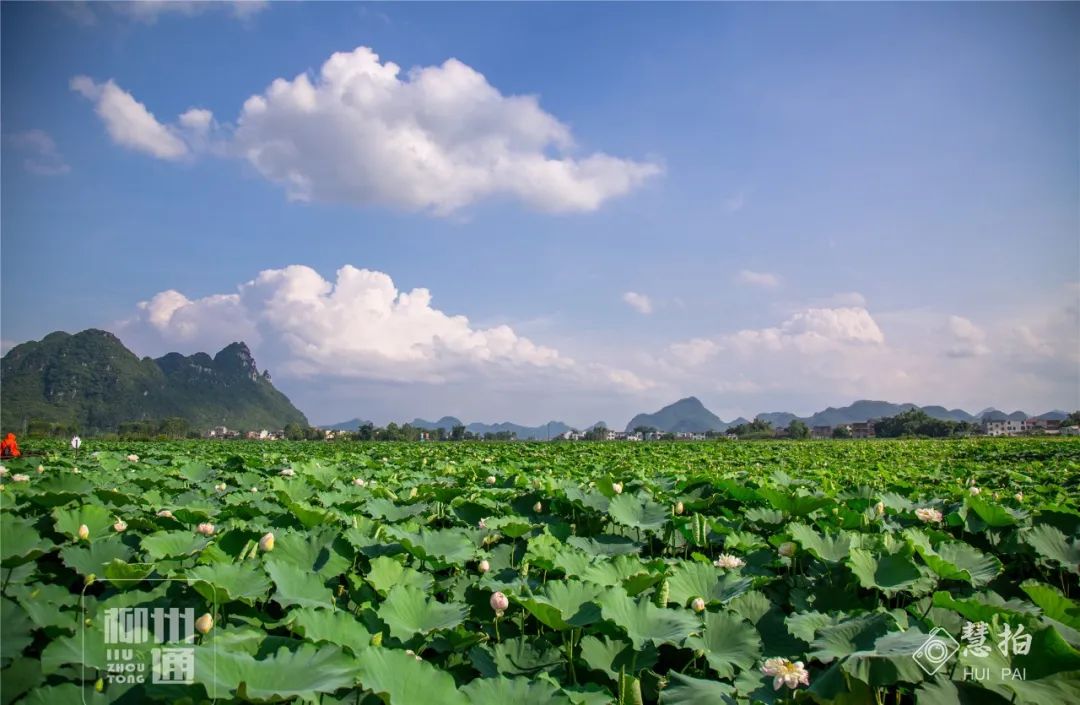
[889, 660]
[73, 650]
[65, 694]
[797, 504]
[942, 691]
[400, 679]
[1050, 543]
[692, 579]
[605, 545]
[687, 690]
[638, 512]
[610, 573]
[565, 604]
[889, 572]
[331, 626]
[644, 622]
[1053, 604]
[170, 544]
[831, 548]
[57, 490]
[22, 675]
[91, 558]
[451, 546]
[96, 518]
[805, 625]
[729, 642]
[302, 673]
[322, 551]
[126, 575]
[50, 606]
[294, 586]
[386, 572]
[516, 657]
[20, 541]
[408, 612]
[512, 526]
[954, 560]
[843, 639]
[17, 627]
[519, 691]
[614, 655]
[992, 514]
[381, 508]
[224, 582]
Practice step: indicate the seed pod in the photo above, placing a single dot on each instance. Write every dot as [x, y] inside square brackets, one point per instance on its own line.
[663, 592]
[700, 529]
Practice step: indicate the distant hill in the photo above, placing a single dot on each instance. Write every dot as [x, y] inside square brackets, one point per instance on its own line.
[685, 415]
[350, 425]
[92, 381]
[446, 423]
[523, 433]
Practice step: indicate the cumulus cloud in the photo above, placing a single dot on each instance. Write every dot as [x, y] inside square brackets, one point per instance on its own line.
[128, 122]
[358, 327]
[435, 139]
[967, 339]
[42, 156]
[639, 302]
[765, 280]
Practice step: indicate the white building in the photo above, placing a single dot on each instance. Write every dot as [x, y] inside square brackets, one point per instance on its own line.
[1070, 430]
[1003, 427]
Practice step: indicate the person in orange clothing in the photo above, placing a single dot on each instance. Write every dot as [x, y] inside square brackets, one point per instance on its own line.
[9, 448]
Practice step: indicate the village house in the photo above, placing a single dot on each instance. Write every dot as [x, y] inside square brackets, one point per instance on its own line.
[862, 429]
[1002, 427]
[821, 432]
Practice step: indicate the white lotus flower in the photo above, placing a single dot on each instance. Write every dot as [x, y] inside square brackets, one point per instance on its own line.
[165, 514]
[490, 479]
[679, 508]
[785, 672]
[879, 508]
[221, 487]
[40, 469]
[482, 524]
[287, 472]
[499, 602]
[133, 458]
[787, 549]
[975, 490]
[538, 507]
[254, 489]
[266, 543]
[84, 532]
[483, 566]
[19, 477]
[698, 605]
[204, 624]
[728, 561]
[206, 529]
[930, 516]
[75, 470]
[3, 471]
[359, 481]
[1019, 496]
[616, 487]
[119, 526]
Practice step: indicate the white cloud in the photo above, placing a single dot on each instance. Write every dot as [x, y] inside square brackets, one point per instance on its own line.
[42, 156]
[149, 11]
[360, 327]
[639, 302]
[437, 139]
[128, 122]
[968, 340]
[765, 280]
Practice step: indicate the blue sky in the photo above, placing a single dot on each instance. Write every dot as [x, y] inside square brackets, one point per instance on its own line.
[820, 202]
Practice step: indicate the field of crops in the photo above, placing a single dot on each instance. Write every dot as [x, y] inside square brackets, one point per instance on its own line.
[524, 574]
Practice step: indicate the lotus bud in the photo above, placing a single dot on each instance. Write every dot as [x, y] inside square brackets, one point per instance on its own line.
[1019, 496]
[975, 491]
[119, 526]
[84, 532]
[679, 508]
[40, 469]
[266, 543]
[616, 487]
[19, 477]
[99, 685]
[787, 549]
[133, 458]
[88, 622]
[483, 566]
[499, 603]
[204, 624]
[698, 605]
[879, 508]
[206, 529]
[376, 639]
[221, 487]
[75, 470]
[415, 655]
[412, 492]
[165, 514]
[359, 481]
[254, 489]
[538, 507]
[490, 479]
[3, 471]
[287, 472]
[482, 524]
[89, 579]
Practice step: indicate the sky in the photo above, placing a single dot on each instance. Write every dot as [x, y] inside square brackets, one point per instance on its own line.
[571, 211]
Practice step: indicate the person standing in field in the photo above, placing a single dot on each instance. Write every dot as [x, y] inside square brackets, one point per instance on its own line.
[9, 447]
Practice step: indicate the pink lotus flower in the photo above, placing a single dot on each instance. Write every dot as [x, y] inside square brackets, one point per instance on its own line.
[729, 562]
[930, 516]
[499, 603]
[785, 672]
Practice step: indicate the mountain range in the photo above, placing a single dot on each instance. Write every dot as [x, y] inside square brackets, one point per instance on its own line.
[535, 433]
[91, 381]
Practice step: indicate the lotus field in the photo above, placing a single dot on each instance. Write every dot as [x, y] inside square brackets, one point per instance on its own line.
[861, 572]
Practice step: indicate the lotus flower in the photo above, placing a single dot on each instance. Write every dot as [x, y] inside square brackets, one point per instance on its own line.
[221, 487]
[490, 479]
[616, 487]
[165, 514]
[75, 470]
[287, 472]
[728, 561]
[133, 458]
[206, 529]
[930, 516]
[204, 624]
[787, 549]
[879, 508]
[19, 477]
[254, 489]
[698, 605]
[785, 672]
[415, 655]
[1019, 496]
[359, 481]
[40, 469]
[482, 524]
[266, 543]
[499, 603]
[84, 532]
[679, 508]
[119, 526]
[412, 492]
[3, 471]
[974, 490]
[538, 507]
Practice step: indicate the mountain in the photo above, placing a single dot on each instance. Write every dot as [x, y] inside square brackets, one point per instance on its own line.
[778, 419]
[993, 414]
[90, 380]
[350, 425]
[687, 414]
[523, 433]
[1055, 415]
[943, 414]
[446, 423]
